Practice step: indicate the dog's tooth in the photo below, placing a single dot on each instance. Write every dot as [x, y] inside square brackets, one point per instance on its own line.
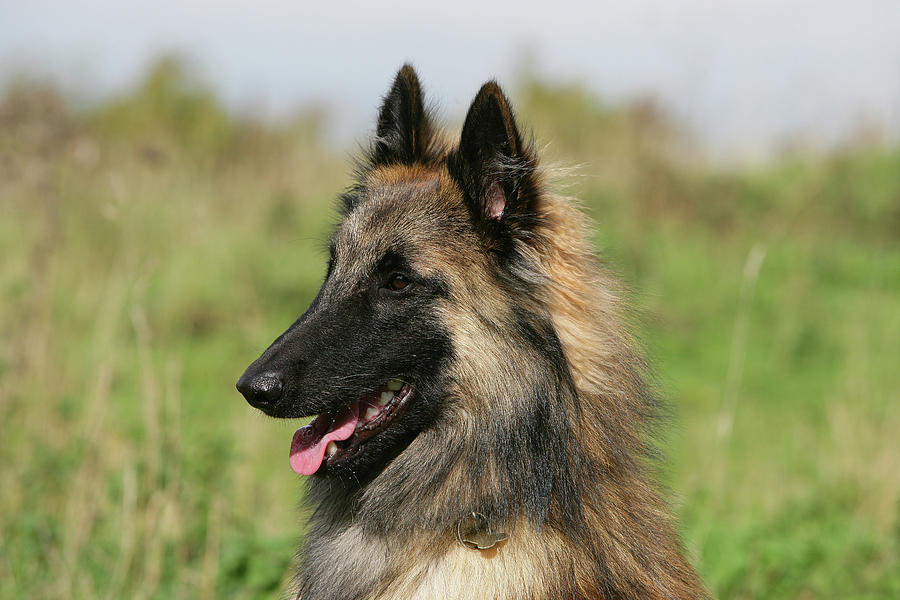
[385, 397]
[394, 385]
[331, 449]
[371, 413]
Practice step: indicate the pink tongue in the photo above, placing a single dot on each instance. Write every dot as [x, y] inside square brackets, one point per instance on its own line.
[308, 448]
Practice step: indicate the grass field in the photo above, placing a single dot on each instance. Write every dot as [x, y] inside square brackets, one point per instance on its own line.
[153, 246]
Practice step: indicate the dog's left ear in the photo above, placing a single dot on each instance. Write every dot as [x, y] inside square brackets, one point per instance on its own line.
[492, 166]
[404, 129]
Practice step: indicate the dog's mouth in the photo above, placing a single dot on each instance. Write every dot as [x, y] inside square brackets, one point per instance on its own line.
[332, 438]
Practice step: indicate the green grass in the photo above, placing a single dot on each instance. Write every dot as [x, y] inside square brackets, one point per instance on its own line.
[153, 246]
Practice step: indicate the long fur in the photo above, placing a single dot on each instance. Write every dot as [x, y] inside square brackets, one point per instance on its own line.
[546, 433]
[536, 413]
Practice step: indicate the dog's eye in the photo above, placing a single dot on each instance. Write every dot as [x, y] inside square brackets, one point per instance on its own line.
[397, 282]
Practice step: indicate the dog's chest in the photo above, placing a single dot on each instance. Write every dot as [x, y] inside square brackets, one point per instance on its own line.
[373, 568]
[463, 574]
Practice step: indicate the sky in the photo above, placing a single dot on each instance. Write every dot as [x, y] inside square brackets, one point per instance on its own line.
[745, 76]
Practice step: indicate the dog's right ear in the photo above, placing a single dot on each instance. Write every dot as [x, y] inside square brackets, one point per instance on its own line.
[404, 129]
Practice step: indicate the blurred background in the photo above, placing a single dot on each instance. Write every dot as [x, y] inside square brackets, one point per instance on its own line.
[167, 178]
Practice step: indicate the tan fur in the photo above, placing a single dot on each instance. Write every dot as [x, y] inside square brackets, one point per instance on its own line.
[537, 340]
[588, 315]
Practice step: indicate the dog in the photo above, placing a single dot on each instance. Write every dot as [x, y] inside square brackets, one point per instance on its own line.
[481, 411]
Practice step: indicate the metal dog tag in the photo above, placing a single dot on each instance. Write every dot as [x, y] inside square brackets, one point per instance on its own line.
[473, 531]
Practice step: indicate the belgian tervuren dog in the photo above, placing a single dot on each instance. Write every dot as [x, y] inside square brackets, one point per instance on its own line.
[481, 410]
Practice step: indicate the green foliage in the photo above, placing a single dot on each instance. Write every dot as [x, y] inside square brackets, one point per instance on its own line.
[171, 104]
[154, 245]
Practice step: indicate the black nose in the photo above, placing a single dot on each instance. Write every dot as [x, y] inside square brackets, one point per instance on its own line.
[261, 391]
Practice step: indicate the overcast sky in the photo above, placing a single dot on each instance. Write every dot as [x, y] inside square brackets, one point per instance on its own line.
[743, 74]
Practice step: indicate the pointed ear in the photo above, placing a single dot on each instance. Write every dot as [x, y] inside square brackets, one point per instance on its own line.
[491, 163]
[403, 129]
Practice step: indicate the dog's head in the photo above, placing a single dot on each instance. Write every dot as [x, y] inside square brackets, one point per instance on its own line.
[429, 273]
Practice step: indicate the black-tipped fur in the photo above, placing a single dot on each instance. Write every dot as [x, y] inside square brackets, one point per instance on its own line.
[531, 406]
